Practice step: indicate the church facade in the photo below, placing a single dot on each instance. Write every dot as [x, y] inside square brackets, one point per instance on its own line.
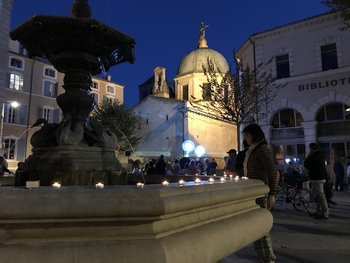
[313, 57]
[171, 113]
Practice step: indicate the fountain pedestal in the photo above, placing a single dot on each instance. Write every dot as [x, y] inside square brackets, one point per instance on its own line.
[78, 46]
[74, 165]
[192, 223]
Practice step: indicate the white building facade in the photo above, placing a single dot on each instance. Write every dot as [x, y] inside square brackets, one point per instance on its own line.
[313, 57]
[167, 120]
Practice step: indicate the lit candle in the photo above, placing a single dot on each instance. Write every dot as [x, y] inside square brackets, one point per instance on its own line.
[181, 182]
[165, 183]
[99, 185]
[211, 180]
[56, 185]
[140, 185]
[237, 178]
[196, 174]
[214, 174]
[225, 175]
[198, 181]
[245, 178]
[231, 175]
[222, 179]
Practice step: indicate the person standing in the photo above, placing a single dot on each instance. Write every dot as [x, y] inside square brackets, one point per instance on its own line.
[338, 169]
[3, 167]
[213, 165]
[176, 167]
[240, 159]
[231, 162]
[19, 175]
[258, 164]
[161, 165]
[207, 167]
[192, 167]
[315, 163]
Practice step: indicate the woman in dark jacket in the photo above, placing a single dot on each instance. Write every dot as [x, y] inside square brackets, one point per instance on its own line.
[258, 164]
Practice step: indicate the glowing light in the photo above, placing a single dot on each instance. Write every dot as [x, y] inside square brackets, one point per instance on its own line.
[188, 146]
[182, 183]
[211, 180]
[100, 185]
[14, 104]
[198, 181]
[56, 185]
[165, 183]
[199, 151]
[140, 185]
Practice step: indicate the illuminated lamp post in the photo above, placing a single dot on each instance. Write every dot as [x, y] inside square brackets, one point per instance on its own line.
[187, 147]
[199, 151]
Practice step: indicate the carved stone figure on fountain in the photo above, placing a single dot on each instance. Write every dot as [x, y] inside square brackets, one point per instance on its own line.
[99, 136]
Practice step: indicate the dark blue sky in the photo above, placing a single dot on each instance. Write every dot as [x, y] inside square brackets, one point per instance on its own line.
[166, 30]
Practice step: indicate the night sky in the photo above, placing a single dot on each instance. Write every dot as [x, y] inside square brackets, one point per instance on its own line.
[166, 30]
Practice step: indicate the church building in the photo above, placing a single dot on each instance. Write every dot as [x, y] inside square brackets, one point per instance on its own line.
[171, 113]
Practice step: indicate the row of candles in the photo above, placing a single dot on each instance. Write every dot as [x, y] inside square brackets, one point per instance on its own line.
[98, 185]
[198, 181]
[166, 183]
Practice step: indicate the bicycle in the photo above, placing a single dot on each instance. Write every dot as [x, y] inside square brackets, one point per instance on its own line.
[299, 197]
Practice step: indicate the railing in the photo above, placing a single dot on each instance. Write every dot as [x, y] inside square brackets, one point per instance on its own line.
[288, 133]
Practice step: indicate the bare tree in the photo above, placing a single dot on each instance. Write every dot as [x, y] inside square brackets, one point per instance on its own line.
[340, 8]
[239, 97]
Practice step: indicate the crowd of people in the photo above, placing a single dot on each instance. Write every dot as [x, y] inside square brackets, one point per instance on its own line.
[183, 166]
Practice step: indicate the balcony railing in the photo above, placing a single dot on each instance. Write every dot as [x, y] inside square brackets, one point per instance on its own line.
[288, 133]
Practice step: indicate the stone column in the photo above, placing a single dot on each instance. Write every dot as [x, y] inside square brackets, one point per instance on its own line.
[309, 132]
[267, 131]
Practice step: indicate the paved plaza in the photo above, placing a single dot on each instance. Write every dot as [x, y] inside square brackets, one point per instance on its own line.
[298, 238]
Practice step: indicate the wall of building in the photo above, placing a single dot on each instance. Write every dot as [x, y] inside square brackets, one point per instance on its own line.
[161, 127]
[308, 88]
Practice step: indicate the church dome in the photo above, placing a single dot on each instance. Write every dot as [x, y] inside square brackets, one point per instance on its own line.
[193, 62]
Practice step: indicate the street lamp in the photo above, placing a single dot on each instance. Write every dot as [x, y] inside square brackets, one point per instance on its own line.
[14, 104]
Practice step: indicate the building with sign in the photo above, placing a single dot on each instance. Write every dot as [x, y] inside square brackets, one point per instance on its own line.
[313, 57]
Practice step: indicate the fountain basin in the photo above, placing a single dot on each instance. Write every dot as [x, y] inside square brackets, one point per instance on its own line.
[192, 223]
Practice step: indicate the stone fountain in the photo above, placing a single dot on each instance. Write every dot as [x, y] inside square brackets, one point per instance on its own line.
[70, 152]
[191, 222]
